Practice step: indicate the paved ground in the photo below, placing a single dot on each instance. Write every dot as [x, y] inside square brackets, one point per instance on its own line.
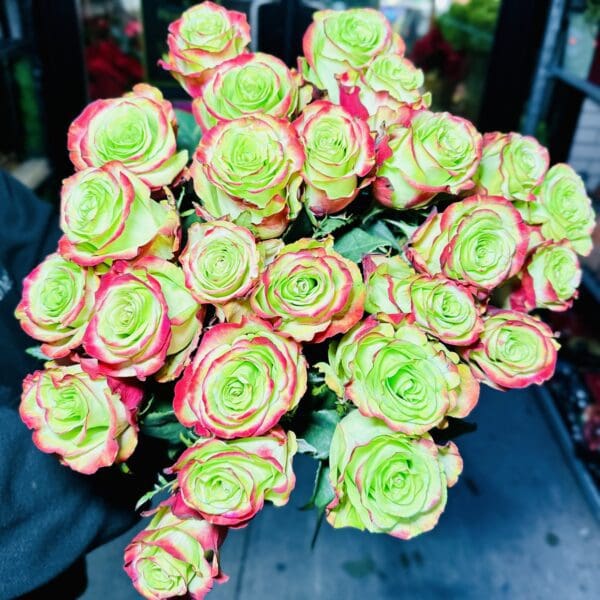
[516, 527]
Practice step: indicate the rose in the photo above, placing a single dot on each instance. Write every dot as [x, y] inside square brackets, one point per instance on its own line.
[243, 379]
[338, 41]
[440, 307]
[424, 155]
[57, 302]
[79, 417]
[310, 292]
[390, 84]
[227, 482]
[515, 350]
[445, 310]
[107, 213]
[137, 130]
[205, 36]
[388, 280]
[390, 370]
[339, 150]
[248, 169]
[388, 482]
[511, 166]
[563, 209]
[175, 557]
[184, 312]
[221, 261]
[549, 280]
[479, 242]
[130, 331]
[246, 85]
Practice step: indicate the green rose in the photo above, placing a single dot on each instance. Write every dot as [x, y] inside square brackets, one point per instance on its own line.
[248, 169]
[479, 242]
[515, 350]
[80, 417]
[391, 371]
[136, 130]
[339, 150]
[221, 261]
[390, 84]
[205, 36]
[175, 558]
[549, 279]
[388, 280]
[184, 312]
[388, 482]
[246, 85]
[228, 482]
[107, 213]
[57, 303]
[563, 209]
[339, 41]
[243, 379]
[426, 154]
[512, 166]
[310, 292]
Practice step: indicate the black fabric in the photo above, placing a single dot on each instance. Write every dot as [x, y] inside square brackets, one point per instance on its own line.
[50, 516]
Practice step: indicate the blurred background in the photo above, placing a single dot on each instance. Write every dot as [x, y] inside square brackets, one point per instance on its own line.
[529, 502]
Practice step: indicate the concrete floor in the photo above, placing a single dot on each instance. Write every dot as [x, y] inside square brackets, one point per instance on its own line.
[516, 526]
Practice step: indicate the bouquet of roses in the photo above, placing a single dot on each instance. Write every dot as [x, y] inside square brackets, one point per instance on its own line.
[334, 272]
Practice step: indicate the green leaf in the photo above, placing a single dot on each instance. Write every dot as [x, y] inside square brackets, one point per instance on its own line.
[165, 426]
[188, 132]
[159, 487]
[319, 431]
[323, 493]
[36, 352]
[380, 229]
[357, 243]
[330, 224]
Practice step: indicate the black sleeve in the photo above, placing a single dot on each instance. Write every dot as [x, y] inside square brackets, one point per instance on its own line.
[49, 515]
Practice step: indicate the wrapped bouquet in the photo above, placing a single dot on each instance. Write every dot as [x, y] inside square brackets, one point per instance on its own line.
[334, 271]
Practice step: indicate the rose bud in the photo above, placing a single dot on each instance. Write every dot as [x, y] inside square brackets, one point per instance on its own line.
[514, 350]
[243, 379]
[549, 279]
[247, 85]
[339, 151]
[80, 417]
[205, 36]
[107, 214]
[425, 155]
[221, 261]
[175, 558]
[339, 41]
[478, 242]
[391, 371]
[310, 292]
[512, 166]
[136, 130]
[563, 209]
[57, 303]
[228, 482]
[387, 482]
[248, 170]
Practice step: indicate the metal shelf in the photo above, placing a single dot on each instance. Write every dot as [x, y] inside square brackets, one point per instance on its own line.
[589, 89]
